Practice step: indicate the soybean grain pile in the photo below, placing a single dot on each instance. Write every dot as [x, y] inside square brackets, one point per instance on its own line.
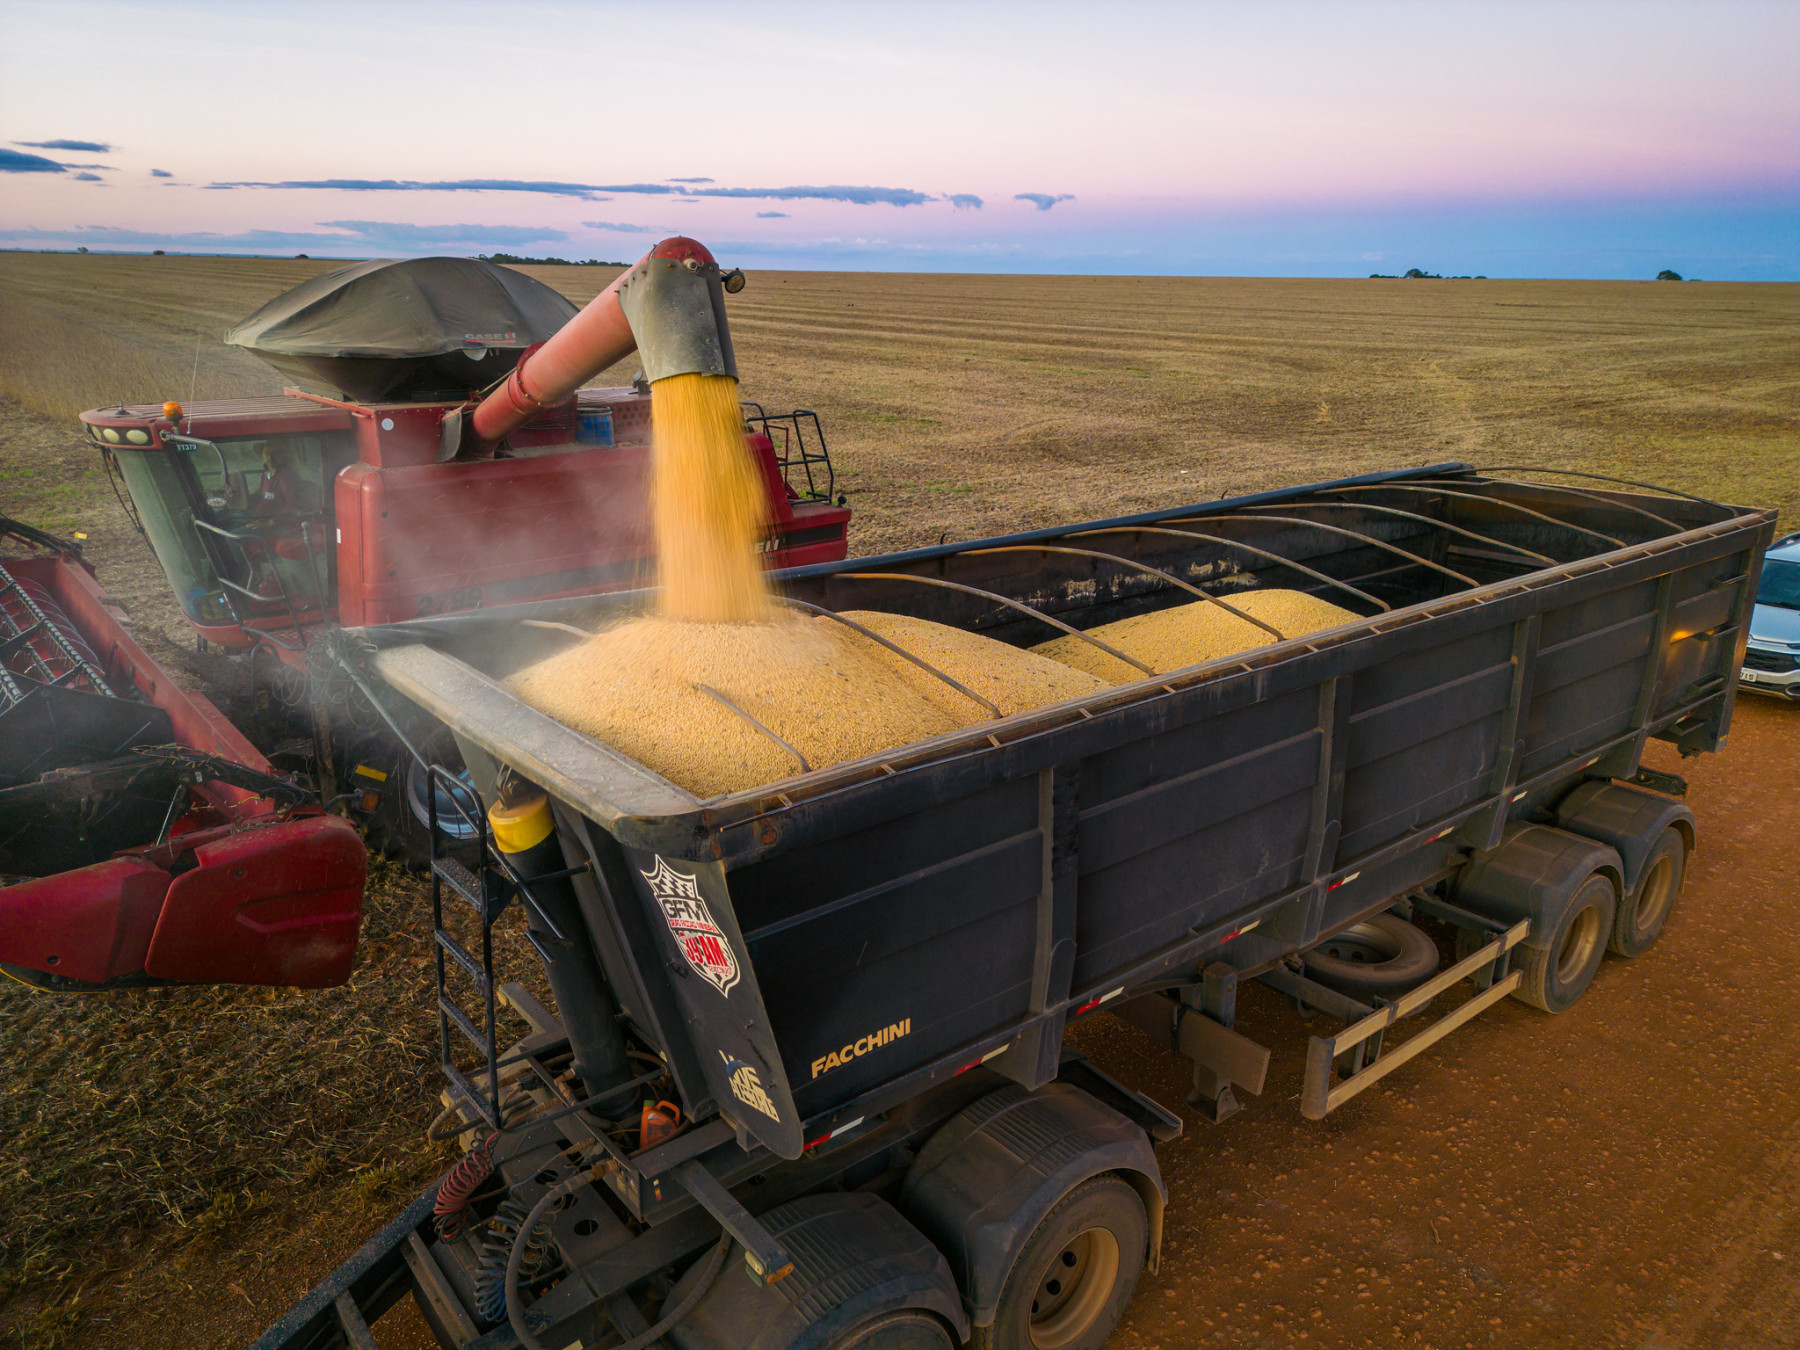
[1188, 634]
[146, 1143]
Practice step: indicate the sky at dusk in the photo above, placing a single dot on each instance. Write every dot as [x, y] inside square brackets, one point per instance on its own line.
[1301, 139]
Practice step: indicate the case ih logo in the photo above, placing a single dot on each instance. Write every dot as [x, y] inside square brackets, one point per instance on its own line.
[705, 946]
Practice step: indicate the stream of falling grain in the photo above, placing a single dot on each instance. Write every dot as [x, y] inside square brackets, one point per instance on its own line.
[709, 505]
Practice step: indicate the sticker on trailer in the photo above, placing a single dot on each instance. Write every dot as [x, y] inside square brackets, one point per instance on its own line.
[747, 1086]
[702, 942]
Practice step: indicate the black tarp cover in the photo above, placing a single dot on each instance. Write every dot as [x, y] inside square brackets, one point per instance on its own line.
[404, 326]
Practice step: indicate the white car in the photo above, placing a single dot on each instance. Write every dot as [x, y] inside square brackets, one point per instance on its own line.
[1772, 656]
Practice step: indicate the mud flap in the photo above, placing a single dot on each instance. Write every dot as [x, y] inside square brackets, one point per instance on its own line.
[855, 1258]
[696, 930]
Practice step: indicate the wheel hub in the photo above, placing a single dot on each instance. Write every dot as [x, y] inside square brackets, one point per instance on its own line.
[1578, 946]
[1074, 1288]
[1363, 943]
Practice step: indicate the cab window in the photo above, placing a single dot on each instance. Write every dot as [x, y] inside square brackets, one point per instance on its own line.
[252, 478]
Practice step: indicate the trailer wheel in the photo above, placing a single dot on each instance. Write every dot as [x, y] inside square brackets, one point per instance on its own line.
[1383, 956]
[400, 826]
[908, 1329]
[1075, 1275]
[1643, 913]
[1558, 973]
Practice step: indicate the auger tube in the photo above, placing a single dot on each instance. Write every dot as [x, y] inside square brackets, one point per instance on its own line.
[670, 305]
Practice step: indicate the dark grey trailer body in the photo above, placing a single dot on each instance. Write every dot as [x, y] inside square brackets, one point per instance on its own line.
[822, 949]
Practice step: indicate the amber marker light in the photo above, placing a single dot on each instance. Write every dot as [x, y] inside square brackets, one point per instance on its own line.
[172, 410]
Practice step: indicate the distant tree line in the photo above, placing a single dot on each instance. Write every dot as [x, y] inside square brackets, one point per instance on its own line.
[517, 259]
[1413, 272]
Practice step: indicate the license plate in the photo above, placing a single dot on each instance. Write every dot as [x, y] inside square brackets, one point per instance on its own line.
[1749, 676]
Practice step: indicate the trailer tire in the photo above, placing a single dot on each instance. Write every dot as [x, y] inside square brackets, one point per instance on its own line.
[908, 1329]
[1074, 1277]
[1383, 956]
[1642, 913]
[1557, 973]
[399, 826]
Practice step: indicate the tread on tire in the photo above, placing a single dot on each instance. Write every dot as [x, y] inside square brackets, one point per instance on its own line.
[1642, 914]
[1073, 1279]
[1558, 973]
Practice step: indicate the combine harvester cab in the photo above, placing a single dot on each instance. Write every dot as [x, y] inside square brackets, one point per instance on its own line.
[393, 495]
[848, 988]
[142, 839]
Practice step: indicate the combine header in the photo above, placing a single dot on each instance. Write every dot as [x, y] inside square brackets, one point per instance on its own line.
[143, 840]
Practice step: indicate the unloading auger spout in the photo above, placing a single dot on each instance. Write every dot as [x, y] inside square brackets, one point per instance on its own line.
[670, 306]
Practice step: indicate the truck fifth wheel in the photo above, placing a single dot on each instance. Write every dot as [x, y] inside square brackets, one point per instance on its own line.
[806, 1084]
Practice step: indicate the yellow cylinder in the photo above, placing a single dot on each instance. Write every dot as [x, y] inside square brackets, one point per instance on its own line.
[523, 826]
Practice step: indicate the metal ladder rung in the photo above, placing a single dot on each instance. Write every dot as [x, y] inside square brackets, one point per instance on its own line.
[464, 958]
[463, 882]
[460, 1085]
[460, 1020]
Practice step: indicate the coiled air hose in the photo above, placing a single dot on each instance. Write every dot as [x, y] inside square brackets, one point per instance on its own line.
[504, 1230]
[515, 1266]
[451, 1209]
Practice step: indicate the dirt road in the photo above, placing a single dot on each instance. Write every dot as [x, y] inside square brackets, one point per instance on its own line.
[1626, 1174]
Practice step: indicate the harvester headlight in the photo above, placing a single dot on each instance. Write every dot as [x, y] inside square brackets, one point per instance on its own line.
[733, 281]
[111, 435]
[138, 436]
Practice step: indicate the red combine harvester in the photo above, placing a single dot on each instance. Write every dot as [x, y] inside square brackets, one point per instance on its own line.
[410, 494]
[143, 840]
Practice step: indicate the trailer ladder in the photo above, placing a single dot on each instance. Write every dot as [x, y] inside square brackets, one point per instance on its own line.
[485, 891]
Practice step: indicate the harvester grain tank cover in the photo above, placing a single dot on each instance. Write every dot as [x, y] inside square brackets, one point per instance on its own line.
[384, 326]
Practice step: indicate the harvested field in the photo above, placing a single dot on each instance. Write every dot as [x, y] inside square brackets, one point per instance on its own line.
[1648, 1175]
